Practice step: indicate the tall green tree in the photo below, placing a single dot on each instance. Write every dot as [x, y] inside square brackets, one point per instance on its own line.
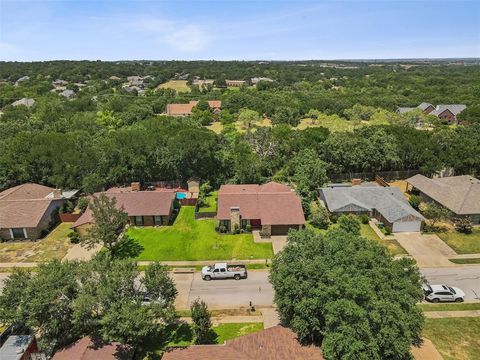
[341, 291]
[202, 323]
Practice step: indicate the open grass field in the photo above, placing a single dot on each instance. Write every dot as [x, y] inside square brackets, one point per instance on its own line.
[177, 85]
[462, 243]
[54, 246]
[190, 239]
[455, 338]
[211, 203]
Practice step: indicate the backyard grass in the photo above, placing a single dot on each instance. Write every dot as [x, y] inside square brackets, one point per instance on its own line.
[190, 239]
[466, 261]
[462, 243]
[455, 338]
[211, 203]
[182, 335]
[54, 246]
[177, 85]
[450, 307]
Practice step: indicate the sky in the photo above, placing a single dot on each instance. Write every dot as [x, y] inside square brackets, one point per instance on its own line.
[237, 30]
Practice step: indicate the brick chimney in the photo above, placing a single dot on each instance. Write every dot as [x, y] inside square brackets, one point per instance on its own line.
[135, 186]
[234, 217]
[356, 182]
[57, 193]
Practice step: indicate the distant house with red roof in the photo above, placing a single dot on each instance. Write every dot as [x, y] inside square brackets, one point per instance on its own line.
[28, 210]
[274, 208]
[144, 207]
[186, 109]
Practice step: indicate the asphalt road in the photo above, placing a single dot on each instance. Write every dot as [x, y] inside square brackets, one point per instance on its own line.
[229, 293]
[465, 278]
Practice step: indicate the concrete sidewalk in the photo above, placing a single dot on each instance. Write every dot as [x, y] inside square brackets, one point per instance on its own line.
[451, 314]
[204, 262]
[229, 319]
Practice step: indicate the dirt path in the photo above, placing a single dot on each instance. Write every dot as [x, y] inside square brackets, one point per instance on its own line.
[427, 351]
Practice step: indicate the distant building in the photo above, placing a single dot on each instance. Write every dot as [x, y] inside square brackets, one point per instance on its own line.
[59, 82]
[25, 101]
[447, 112]
[186, 109]
[114, 78]
[67, 93]
[235, 83]
[22, 79]
[255, 80]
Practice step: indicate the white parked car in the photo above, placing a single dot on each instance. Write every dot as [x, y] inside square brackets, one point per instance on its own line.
[437, 293]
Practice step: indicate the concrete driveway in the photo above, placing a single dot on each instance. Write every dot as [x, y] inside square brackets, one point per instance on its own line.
[224, 294]
[427, 249]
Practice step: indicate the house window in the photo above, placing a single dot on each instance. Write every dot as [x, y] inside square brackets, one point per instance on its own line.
[18, 233]
[158, 220]
[139, 220]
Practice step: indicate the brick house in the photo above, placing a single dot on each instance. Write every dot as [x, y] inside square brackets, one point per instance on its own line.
[186, 109]
[88, 348]
[28, 210]
[274, 208]
[446, 112]
[459, 194]
[144, 208]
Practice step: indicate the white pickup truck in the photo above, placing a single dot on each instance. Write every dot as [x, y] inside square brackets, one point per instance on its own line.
[224, 271]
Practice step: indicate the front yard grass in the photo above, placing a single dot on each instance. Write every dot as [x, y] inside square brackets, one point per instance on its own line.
[211, 203]
[54, 246]
[455, 338]
[391, 244]
[462, 243]
[450, 307]
[189, 239]
[466, 261]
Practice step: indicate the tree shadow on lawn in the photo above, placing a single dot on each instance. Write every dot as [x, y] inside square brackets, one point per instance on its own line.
[128, 248]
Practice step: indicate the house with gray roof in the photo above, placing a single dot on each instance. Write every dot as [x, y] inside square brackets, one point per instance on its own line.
[446, 112]
[459, 194]
[386, 204]
[69, 94]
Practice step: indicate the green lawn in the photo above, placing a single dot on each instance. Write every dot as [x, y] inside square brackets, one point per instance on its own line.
[177, 85]
[450, 307]
[211, 203]
[190, 239]
[182, 335]
[462, 243]
[391, 244]
[455, 338]
[466, 261]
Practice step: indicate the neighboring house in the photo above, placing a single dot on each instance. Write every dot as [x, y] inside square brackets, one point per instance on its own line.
[235, 83]
[255, 80]
[59, 82]
[69, 94]
[134, 78]
[20, 347]
[25, 101]
[91, 349]
[273, 207]
[28, 210]
[448, 112]
[114, 78]
[22, 79]
[459, 194]
[275, 343]
[144, 208]
[186, 109]
[386, 204]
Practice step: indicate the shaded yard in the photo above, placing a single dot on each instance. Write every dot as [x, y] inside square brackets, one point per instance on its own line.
[462, 243]
[190, 239]
[182, 335]
[455, 338]
[54, 246]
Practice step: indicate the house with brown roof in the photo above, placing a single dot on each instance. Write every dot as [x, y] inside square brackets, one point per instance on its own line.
[29, 210]
[459, 194]
[446, 112]
[144, 207]
[88, 348]
[186, 109]
[275, 343]
[274, 208]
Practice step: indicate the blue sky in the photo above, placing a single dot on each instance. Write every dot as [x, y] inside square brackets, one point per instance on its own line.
[246, 30]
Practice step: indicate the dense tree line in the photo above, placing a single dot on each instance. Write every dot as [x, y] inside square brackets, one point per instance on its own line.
[107, 136]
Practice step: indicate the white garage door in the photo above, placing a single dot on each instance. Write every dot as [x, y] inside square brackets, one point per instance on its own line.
[407, 226]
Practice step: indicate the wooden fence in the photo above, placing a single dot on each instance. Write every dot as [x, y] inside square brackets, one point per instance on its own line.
[69, 217]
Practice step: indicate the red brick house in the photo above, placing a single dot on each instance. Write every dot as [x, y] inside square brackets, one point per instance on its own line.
[88, 349]
[28, 210]
[446, 112]
[186, 109]
[272, 207]
[144, 208]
